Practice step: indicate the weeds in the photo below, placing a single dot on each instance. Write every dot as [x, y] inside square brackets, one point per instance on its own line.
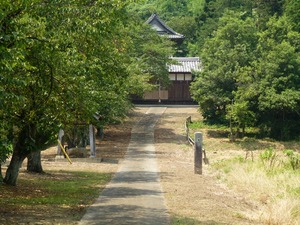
[294, 158]
[269, 158]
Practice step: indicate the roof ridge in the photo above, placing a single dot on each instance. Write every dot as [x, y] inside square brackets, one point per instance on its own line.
[186, 58]
[154, 15]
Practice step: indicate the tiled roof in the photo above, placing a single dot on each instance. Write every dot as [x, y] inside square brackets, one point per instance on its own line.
[162, 28]
[185, 65]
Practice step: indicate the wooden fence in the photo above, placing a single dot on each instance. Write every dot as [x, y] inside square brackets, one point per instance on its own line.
[187, 131]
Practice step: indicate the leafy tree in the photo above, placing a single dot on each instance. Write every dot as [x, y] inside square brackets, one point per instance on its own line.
[240, 116]
[208, 18]
[266, 9]
[291, 10]
[272, 82]
[187, 26]
[55, 75]
[5, 146]
[149, 51]
[223, 56]
[66, 61]
[196, 7]
[155, 57]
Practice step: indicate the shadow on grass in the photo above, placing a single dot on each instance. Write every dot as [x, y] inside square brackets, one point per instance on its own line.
[252, 144]
[218, 133]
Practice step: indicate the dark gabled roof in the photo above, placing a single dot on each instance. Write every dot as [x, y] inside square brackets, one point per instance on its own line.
[185, 65]
[162, 28]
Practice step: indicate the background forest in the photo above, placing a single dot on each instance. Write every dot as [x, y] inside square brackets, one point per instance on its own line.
[250, 57]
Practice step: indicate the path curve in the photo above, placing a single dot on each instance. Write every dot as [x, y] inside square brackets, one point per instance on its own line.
[134, 195]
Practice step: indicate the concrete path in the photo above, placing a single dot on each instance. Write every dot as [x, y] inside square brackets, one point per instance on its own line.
[134, 195]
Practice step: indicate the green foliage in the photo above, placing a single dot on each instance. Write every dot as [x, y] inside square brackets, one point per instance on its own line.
[240, 115]
[196, 7]
[273, 80]
[265, 9]
[291, 10]
[5, 143]
[223, 55]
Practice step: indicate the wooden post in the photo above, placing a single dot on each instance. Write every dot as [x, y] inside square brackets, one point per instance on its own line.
[187, 130]
[159, 90]
[60, 136]
[198, 153]
[92, 141]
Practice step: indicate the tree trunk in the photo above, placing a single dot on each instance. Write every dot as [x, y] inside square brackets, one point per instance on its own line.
[18, 156]
[1, 177]
[34, 163]
[12, 171]
[100, 132]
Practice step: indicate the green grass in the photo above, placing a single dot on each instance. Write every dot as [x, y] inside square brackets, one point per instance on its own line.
[178, 220]
[203, 125]
[56, 188]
